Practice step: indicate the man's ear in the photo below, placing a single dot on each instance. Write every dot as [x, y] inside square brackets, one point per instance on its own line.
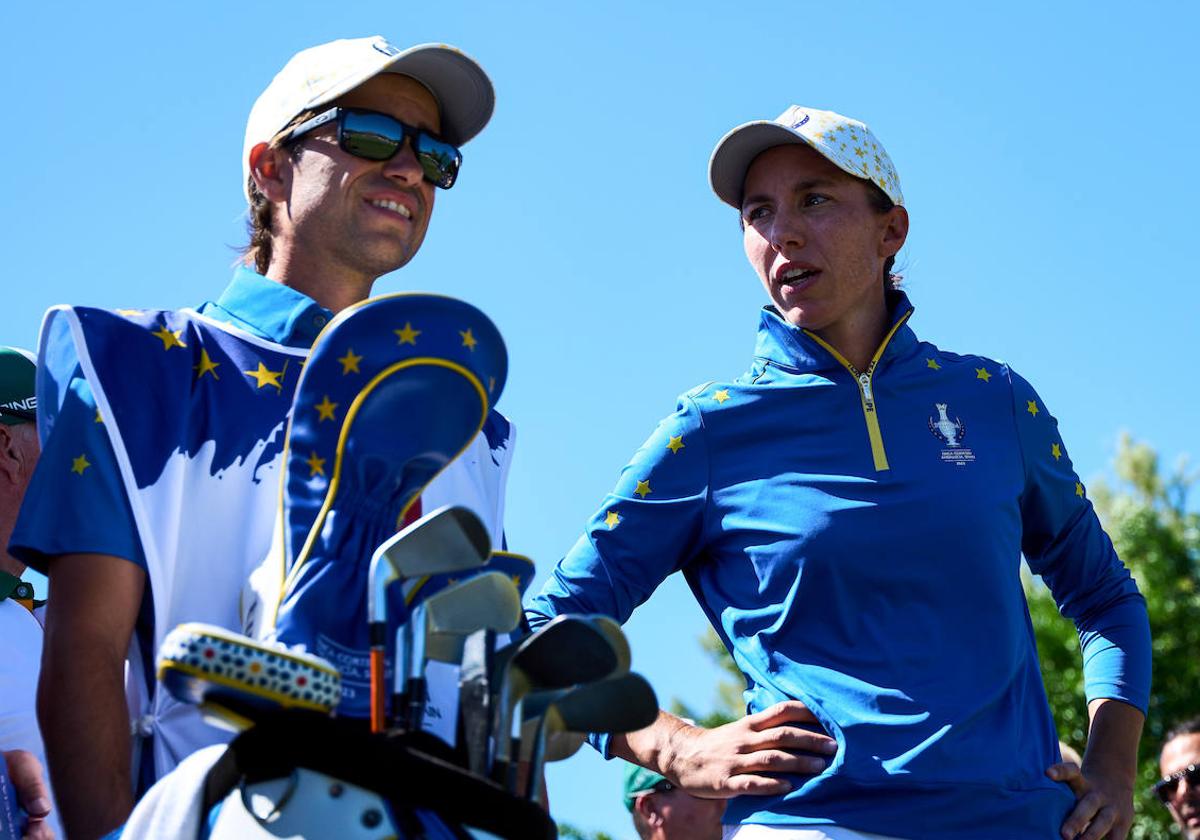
[10, 457]
[647, 807]
[269, 169]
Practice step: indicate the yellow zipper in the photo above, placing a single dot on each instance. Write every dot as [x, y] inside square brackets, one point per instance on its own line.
[878, 454]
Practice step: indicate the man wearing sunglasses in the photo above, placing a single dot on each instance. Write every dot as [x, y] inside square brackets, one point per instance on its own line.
[157, 489]
[1179, 788]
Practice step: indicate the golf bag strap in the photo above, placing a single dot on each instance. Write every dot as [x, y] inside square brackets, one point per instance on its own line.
[395, 766]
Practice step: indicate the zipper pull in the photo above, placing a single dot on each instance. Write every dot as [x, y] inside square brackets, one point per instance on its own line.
[864, 382]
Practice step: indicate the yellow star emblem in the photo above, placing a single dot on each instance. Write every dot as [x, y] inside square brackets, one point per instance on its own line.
[206, 365]
[325, 410]
[407, 335]
[168, 338]
[1031, 407]
[516, 579]
[982, 373]
[80, 464]
[642, 489]
[316, 465]
[675, 444]
[350, 362]
[722, 395]
[1078, 489]
[264, 376]
[932, 364]
[468, 339]
[612, 520]
[99, 418]
[1056, 451]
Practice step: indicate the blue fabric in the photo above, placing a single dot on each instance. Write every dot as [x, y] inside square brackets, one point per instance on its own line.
[61, 515]
[379, 412]
[887, 600]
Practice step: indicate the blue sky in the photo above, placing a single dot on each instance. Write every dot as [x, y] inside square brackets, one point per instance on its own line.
[1047, 154]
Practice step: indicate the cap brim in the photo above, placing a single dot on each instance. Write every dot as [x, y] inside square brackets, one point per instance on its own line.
[737, 150]
[463, 90]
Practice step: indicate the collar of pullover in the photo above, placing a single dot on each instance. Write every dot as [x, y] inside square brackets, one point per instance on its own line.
[800, 350]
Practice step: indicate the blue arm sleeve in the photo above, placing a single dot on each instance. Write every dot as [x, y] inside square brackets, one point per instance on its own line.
[649, 526]
[1064, 543]
[76, 501]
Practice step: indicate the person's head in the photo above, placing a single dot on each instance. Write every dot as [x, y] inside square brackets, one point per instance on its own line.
[821, 210]
[1179, 763]
[19, 447]
[662, 811]
[349, 192]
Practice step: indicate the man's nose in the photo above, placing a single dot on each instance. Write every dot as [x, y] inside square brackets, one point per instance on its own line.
[404, 166]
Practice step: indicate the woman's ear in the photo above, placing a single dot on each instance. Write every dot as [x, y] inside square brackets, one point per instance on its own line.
[895, 231]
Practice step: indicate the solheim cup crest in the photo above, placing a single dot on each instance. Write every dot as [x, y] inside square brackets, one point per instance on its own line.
[951, 433]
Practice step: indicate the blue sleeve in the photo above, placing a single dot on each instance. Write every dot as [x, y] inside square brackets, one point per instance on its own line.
[649, 526]
[1064, 543]
[76, 501]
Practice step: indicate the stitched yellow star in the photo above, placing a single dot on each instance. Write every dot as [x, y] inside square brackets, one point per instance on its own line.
[932, 364]
[80, 464]
[1031, 407]
[612, 520]
[675, 444]
[316, 465]
[206, 365]
[350, 362]
[168, 338]
[99, 419]
[1078, 489]
[982, 373]
[325, 410]
[264, 376]
[643, 488]
[1056, 451]
[516, 579]
[407, 335]
[722, 395]
[468, 339]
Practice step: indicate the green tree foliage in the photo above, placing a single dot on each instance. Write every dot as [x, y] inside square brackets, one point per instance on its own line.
[1147, 516]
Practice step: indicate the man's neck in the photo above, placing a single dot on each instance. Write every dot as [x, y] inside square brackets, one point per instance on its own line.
[332, 289]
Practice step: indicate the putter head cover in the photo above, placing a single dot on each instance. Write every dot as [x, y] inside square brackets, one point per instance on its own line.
[395, 388]
[236, 679]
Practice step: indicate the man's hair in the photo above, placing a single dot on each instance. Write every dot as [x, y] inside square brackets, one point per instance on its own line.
[1191, 726]
[257, 251]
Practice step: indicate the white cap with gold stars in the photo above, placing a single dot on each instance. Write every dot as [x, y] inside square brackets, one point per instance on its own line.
[844, 142]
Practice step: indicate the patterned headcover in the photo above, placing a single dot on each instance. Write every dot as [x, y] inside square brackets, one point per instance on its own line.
[395, 388]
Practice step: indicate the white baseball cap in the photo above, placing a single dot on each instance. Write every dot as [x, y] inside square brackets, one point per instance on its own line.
[844, 142]
[320, 74]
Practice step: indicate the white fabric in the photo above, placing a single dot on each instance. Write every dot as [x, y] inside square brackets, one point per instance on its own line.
[172, 807]
[787, 832]
[19, 667]
[187, 519]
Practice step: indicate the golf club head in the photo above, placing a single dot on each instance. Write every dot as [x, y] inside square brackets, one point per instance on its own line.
[445, 540]
[449, 539]
[567, 650]
[616, 638]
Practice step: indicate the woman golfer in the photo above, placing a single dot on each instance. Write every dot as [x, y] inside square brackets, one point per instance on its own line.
[851, 514]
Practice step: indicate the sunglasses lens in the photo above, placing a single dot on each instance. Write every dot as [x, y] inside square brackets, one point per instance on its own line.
[371, 136]
[379, 137]
[439, 161]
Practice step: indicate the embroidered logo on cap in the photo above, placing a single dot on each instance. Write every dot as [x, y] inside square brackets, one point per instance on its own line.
[800, 122]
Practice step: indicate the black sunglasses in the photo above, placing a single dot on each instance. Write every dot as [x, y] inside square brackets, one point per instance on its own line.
[20, 414]
[374, 136]
[1166, 789]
